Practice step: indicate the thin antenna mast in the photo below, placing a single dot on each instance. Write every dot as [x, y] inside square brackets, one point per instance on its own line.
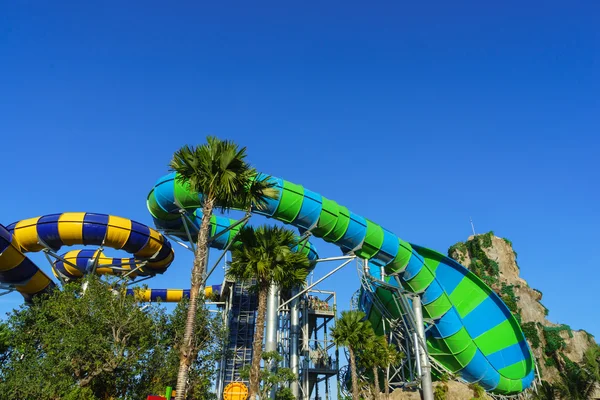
[472, 226]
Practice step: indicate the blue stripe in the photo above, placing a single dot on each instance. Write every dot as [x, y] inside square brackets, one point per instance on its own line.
[164, 193]
[82, 260]
[432, 293]
[476, 369]
[510, 355]
[221, 223]
[47, 230]
[490, 379]
[155, 294]
[138, 238]
[19, 274]
[526, 382]
[217, 288]
[415, 264]
[389, 249]
[5, 238]
[60, 267]
[164, 251]
[448, 276]
[186, 294]
[484, 317]
[448, 325]
[355, 234]
[94, 228]
[271, 204]
[310, 211]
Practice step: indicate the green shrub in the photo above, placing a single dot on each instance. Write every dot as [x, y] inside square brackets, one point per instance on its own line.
[531, 333]
[440, 392]
[549, 362]
[554, 341]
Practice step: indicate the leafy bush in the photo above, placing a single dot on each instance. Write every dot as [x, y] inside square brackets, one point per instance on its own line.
[531, 333]
[554, 341]
[440, 392]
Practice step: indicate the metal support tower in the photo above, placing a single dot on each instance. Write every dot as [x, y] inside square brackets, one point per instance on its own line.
[318, 352]
[403, 325]
[241, 323]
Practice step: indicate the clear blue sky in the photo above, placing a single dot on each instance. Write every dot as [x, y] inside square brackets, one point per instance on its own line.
[415, 116]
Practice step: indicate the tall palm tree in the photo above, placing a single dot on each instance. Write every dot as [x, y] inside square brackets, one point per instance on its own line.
[218, 169]
[352, 331]
[389, 356]
[378, 355]
[265, 255]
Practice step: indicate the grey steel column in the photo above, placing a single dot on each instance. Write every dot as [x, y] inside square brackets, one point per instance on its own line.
[426, 385]
[294, 328]
[272, 325]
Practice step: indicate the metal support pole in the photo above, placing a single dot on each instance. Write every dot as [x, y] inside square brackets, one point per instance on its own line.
[294, 328]
[319, 281]
[426, 384]
[271, 334]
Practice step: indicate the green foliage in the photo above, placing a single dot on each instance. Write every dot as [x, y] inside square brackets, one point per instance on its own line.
[576, 382]
[265, 255]
[481, 265]
[508, 242]
[545, 391]
[209, 337]
[440, 392]
[352, 330]
[478, 391]
[531, 333]
[486, 239]
[219, 170]
[549, 362]
[507, 294]
[458, 250]
[554, 341]
[92, 344]
[269, 379]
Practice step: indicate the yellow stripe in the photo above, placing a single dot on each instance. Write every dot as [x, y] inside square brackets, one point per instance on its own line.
[155, 243]
[162, 263]
[174, 295]
[26, 234]
[145, 294]
[117, 232]
[10, 257]
[70, 228]
[38, 281]
[71, 257]
[208, 291]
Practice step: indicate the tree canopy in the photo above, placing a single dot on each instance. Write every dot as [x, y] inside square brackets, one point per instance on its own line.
[97, 343]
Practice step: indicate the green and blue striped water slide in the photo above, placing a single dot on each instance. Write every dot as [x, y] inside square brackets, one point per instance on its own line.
[473, 334]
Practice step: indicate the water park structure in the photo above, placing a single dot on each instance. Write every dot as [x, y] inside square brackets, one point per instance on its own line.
[441, 315]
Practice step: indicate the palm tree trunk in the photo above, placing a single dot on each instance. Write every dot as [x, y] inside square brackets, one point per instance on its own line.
[188, 353]
[386, 382]
[259, 332]
[355, 393]
[376, 379]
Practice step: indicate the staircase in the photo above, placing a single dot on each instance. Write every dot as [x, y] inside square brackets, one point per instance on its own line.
[241, 332]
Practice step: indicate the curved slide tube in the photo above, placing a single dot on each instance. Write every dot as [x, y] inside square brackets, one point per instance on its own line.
[53, 231]
[171, 295]
[474, 333]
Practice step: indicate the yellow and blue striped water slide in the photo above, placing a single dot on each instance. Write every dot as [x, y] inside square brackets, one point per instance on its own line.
[473, 333]
[151, 252]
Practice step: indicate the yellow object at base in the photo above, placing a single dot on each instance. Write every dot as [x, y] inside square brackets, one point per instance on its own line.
[235, 391]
